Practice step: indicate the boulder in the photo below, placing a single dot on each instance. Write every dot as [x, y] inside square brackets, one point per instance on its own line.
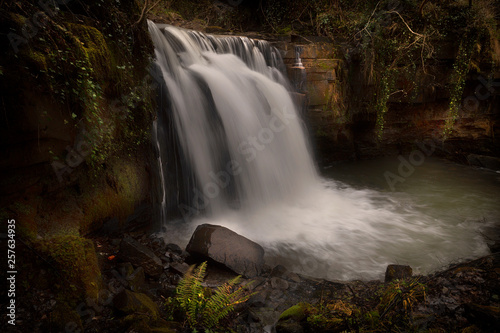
[397, 272]
[140, 255]
[226, 247]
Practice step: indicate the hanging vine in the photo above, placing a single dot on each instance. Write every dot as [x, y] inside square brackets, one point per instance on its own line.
[458, 78]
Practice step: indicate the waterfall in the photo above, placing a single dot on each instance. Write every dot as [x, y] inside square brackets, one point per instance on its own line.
[231, 150]
[241, 140]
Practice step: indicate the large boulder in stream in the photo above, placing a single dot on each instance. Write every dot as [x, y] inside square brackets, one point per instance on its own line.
[228, 248]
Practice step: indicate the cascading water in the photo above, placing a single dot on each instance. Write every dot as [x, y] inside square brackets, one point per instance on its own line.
[237, 125]
[228, 134]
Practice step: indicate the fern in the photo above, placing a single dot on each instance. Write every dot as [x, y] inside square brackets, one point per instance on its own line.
[204, 310]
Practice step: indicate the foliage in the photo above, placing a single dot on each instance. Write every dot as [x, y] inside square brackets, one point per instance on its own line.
[201, 307]
[397, 302]
[393, 312]
[89, 58]
[334, 316]
[460, 71]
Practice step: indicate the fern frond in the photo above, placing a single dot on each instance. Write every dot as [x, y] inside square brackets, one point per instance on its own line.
[207, 311]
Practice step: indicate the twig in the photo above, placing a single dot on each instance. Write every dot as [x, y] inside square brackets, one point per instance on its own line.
[145, 10]
[369, 19]
[402, 19]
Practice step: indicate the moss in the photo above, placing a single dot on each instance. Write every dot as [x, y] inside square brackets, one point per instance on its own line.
[18, 19]
[75, 261]
[63, 317]
[24, 213]
[296, 312]
[138, 306]
[37, 60]
[93, 46]
[122, 187]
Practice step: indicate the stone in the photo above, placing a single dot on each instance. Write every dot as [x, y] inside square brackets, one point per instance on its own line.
[277, 283]
[294, 277]
[174, 248]
[140, 255]
[397, 272]
[158, 244]
[132, 302]
[290, 320]
[135, 277]
[180, 267]
[226, 247]
[279, 271]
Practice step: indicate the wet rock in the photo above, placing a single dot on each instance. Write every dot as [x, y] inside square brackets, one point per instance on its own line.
[132, 302]
[135, 277]
[174, 248]
[224, 246]
[294, 277]
[397, 272]
[279, 271]
[158, 245]
[278, 283]
[140, 255]
[180, 267]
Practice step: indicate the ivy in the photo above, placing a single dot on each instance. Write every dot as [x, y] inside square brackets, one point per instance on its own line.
[458, 78]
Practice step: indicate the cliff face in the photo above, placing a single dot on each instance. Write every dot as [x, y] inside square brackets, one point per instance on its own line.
[76, 111]
[76, 107]
[343, 120]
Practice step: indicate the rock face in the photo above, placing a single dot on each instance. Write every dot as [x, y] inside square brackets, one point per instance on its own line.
[488, 162]
[228, 248]
[342, 118]
[140, 255]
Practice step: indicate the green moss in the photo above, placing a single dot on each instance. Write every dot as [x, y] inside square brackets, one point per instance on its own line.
[93, 46]
[296, 312]
[122, 187]
[75, 261]
[18, 19]
[138, 306]
[37, 60]
[326, 65]
[63, 316]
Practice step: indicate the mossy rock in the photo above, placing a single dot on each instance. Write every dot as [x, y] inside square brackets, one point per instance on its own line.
[327, 317]
[293, 319]
[64, 317]
[93, 47]
[76, 263]
[132, 303]
[297, 312]
[123, 186]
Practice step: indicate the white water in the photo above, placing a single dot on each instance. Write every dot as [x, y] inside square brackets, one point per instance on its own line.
[249, 169]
